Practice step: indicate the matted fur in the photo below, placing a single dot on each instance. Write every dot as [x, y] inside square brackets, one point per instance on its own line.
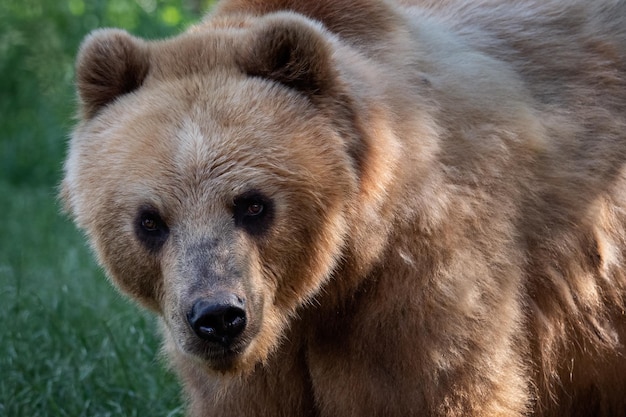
[449, 196]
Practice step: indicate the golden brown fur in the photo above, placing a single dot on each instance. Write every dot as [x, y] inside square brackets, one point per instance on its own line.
[447, 189]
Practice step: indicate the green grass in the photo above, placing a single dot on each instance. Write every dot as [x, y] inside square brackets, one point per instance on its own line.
[69, 344]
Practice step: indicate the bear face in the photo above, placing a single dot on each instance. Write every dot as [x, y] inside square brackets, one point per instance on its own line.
[198, 200]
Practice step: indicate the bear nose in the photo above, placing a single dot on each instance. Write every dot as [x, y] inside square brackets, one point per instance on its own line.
[218, 319]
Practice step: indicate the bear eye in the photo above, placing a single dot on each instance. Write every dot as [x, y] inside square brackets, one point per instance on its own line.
[255, 209]
[150, 229]
[149, 224]
[253, 212]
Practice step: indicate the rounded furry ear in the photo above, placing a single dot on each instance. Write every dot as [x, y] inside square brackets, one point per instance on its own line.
[110, 63]
[293, 52]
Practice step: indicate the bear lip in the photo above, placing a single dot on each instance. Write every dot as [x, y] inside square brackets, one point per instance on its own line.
[219, 359]
[217, 356]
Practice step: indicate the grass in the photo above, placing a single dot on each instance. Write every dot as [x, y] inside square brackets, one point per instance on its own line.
[69, 344]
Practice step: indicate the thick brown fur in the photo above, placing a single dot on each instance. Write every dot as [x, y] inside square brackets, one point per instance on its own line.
[448, 195]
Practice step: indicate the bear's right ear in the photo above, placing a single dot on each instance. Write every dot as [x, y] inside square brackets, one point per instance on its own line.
[110, 63]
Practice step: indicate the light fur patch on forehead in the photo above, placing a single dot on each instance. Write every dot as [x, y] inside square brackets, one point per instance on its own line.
[199, 157]
[193, 149]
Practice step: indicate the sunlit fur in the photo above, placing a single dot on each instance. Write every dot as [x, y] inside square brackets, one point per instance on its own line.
[450, 195]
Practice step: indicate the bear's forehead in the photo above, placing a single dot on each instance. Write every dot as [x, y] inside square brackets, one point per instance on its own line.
[197, 53]
[195, 132]
[207, 152]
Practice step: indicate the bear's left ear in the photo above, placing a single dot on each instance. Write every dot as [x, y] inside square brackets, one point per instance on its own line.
[293, 52]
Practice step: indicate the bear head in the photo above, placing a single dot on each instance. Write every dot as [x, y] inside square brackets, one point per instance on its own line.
[216, 175]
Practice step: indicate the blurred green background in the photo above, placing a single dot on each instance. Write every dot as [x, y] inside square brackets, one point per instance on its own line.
[69, 344]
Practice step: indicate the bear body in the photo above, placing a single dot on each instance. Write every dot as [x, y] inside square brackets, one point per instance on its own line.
[366, 208]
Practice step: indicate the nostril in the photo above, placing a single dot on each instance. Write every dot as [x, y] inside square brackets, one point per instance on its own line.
[219, 319]
[234, 320]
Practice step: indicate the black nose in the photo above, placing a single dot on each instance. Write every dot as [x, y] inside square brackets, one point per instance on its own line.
[219, 319]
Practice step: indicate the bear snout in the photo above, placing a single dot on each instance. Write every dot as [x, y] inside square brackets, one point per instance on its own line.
[219, 319]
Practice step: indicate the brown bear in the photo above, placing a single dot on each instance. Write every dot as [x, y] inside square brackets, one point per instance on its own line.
[369, 208]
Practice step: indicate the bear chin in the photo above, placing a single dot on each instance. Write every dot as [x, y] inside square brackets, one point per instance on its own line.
[239, 359]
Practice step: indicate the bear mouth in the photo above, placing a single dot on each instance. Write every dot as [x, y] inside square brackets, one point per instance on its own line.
[215, 356]
[218, 356]
[221, 359]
